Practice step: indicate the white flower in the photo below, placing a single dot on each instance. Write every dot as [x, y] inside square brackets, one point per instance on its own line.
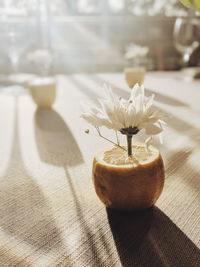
[133, 51]
[126, 116]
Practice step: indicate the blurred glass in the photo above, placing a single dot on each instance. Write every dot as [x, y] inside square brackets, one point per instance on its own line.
[116, 6]
[186, 37]
[39, 56]
[43, 36]
[41, 60]
[11, 38]
[89, 6]
[15, 27]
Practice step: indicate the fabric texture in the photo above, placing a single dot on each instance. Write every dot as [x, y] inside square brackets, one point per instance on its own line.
[49, 212]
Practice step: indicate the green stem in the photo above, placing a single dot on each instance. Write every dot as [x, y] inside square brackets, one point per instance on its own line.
[129, 143]
[117, 138]
[99, 133]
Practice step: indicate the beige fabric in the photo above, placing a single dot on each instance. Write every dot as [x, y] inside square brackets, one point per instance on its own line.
[49, 212]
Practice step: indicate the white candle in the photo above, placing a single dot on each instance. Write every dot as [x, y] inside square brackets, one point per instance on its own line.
[43, 91]
[22, 79]
[134, 75]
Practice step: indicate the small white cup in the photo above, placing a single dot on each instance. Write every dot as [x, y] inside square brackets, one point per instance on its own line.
[43, 91]
[134, 75]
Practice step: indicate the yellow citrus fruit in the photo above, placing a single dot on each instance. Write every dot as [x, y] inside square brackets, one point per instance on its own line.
[128, 183]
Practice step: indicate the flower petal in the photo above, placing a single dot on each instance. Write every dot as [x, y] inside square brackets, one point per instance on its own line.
[148, 143]
[118, 113]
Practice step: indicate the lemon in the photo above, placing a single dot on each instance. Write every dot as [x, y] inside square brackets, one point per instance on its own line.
[128, 183]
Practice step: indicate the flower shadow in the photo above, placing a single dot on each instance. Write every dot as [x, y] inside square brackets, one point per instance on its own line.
[57, 146]
[26, 217]
[179, 167]
[89, 250]
[8, 257]
[150, 238]
[55, 142]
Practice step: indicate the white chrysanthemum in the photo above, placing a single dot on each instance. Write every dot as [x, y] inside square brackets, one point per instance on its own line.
[133, 51]
[126, 116]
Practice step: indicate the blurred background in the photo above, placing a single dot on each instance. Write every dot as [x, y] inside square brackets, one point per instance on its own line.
[66, 36]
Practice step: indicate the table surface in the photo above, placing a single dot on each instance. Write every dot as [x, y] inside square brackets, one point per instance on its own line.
[49, 212]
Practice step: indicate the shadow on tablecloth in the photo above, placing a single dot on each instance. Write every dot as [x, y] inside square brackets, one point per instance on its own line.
[86, 89]
[57, 146]
[141, 238]
[126, 93]
[181, 126]
[150, 238]
[26, 218]
[55, 142]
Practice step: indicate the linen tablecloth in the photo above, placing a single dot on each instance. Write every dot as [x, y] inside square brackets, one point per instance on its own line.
[49, 212]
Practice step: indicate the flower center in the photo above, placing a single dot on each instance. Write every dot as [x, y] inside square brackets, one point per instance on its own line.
[130, 130]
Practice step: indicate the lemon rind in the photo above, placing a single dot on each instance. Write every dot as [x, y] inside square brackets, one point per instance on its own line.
[151, 159]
